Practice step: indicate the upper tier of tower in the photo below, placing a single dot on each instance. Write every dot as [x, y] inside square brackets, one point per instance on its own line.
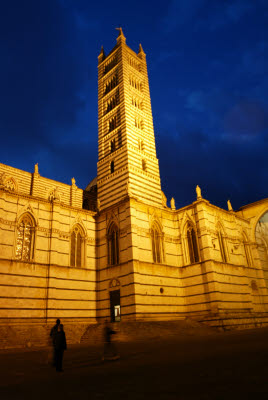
[127, 157]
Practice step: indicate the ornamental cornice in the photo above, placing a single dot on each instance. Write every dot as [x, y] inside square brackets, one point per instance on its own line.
[142, 153]
[109, 73]
[110, 93]
[46, 201]
[136, 92]
[6, 222]
[137, 74]
[109, 134]
[109, 114]
[47, 231]
[111, 155]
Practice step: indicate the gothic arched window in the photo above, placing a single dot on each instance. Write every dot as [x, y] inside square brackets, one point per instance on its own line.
[113, 245]
[25, 238]
[157, 248]
[77, 243]
[222, 246]
[192, 245]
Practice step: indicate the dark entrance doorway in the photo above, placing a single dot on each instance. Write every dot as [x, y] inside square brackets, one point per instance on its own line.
[115, 305]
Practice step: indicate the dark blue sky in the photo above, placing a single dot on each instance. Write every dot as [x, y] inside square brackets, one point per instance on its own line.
[207, 64]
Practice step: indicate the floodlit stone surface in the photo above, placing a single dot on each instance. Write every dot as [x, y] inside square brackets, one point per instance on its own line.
[116, 250]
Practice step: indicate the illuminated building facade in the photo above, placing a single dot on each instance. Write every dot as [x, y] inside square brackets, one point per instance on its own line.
[116, 249]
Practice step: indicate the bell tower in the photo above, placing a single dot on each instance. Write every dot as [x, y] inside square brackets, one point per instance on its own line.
[127, 162]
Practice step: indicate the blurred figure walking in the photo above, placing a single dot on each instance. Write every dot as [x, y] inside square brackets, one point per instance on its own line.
[110, 352]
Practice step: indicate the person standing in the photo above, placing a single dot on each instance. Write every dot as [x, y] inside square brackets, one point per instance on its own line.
[52, 335]
[59, 346]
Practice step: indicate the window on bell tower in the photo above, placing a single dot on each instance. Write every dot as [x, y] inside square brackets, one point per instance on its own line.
[112, 145]
[112, 167]
[119, 137]
[144, 165]
[112, 124]
[113, 244]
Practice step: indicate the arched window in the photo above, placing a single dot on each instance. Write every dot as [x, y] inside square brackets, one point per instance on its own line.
[77, 242]
[157, 248]
[192, 244]
[113, 245]
[222, 246]
[25, 238]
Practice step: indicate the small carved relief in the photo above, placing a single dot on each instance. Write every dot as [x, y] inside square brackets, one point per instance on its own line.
[54, 195]
[8, 183]
[114, 282]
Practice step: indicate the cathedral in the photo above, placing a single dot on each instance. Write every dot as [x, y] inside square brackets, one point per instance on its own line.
[117, 250]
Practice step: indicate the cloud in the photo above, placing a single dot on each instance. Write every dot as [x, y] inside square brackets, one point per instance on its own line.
[180, 12]
[246, 119]
[226, 13]
[202, 14]
[223, 168]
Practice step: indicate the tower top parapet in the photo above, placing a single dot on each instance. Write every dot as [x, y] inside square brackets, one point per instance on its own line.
[141, 53]
[121, 37]
[101, 56]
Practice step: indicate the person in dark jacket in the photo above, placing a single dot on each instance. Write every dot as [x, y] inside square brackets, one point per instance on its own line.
[59, 346]
[55, 328]
[52, 334]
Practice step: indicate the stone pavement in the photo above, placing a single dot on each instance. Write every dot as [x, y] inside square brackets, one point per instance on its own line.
[230, 365]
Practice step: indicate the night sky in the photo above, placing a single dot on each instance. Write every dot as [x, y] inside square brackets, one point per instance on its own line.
[208, 75]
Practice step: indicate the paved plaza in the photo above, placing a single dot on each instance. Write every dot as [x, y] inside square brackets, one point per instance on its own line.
[230, 365]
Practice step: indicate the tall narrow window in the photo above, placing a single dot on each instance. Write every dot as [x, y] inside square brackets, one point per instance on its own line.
[246, 250]
[192, 245]
[112, 124]
[144, 165]
[77, 240]
[25, 236]
[119, 138]
[141, 145]
[222, 246]
[112, 167]
[113, 245]
[156, 237]
[112, 145]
